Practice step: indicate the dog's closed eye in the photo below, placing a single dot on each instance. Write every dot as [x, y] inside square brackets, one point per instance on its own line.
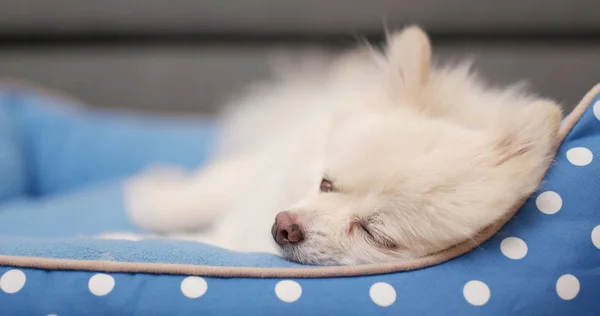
[363, 226]
[374, 235]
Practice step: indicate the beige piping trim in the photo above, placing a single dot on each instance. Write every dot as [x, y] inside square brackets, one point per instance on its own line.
[316, 272]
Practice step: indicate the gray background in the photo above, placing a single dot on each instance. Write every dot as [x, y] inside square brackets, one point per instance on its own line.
[191, 55]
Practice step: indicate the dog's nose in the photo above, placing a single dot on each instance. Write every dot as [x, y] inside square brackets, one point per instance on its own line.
[286, 229]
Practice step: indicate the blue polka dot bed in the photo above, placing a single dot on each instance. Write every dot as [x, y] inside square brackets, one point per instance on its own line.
[62, 166]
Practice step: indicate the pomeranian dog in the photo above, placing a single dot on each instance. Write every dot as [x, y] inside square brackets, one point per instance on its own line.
[373, 156]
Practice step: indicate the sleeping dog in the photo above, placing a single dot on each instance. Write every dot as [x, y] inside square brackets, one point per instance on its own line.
[372, 156]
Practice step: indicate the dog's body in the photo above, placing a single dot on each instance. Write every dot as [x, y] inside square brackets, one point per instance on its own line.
[374, 156]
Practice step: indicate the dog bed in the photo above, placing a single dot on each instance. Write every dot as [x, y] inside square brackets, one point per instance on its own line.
[61, 171]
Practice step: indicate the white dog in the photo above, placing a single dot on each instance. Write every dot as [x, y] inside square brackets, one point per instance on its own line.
[372, 157]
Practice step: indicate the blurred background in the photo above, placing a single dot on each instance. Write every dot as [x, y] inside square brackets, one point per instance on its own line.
[182, 56]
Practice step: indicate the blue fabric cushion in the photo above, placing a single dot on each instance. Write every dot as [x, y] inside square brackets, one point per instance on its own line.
[83, 212]
[545, 261]
[13, 173]
[67, 146]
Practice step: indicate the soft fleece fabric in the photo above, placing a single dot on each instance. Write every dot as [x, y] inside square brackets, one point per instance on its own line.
[49, 145]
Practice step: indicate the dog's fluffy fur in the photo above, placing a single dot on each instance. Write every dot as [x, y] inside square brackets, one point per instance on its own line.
[420, 158]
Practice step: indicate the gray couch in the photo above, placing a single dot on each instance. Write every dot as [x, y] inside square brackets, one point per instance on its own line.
[190, 55]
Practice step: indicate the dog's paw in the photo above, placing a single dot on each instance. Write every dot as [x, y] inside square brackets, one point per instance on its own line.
[163, 174]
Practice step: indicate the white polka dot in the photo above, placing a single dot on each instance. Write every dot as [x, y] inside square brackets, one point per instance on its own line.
[580, 156]
[514, 248]
[597, 109]
[382, 294]
[101, 284]
[476, 293]
[12, 281]
[51, 315]
[549, 202]
[567, 287]
[193, 287]
[288, 291]
[596, 236]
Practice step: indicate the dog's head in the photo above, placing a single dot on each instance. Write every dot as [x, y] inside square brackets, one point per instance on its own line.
[416, 161]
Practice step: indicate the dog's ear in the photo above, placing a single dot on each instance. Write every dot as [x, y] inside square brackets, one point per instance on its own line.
[528, 130]
[409, 56]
